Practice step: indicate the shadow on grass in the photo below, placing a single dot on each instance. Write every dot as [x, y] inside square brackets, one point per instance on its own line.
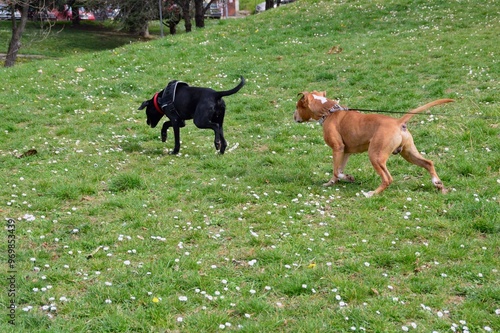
[62, 39]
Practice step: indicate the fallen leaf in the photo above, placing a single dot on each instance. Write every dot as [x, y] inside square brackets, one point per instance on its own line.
[335, 49]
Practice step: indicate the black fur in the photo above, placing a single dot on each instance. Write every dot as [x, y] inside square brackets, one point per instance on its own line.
[204, 105]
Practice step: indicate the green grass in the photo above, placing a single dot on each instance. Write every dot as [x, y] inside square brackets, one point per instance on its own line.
[62, 39]
[119, 236]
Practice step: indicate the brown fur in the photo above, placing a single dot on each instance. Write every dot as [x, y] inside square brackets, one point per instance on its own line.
[351, 132]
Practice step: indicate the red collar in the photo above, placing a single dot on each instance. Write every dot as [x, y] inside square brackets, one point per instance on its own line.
[155, 102]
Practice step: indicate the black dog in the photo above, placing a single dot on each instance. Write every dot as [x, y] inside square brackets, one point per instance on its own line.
[180, 102]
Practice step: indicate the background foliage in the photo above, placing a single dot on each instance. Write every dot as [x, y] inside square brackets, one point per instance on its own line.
[115, 235]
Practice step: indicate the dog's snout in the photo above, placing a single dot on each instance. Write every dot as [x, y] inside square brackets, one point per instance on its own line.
[297, 117]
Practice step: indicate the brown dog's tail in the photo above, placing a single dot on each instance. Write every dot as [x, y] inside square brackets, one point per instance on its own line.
[410, 114]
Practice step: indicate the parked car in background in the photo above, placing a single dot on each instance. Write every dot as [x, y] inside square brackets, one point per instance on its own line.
[214, 11]
[5, 13]
[112, 13]
[262, 6]
[86, 15]
[43, 15]
[63, 15]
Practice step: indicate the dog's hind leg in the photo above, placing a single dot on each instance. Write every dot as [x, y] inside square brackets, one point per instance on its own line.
[379, 164]
[411, 154]
[219, 140]
[221, 147]
[215, 123]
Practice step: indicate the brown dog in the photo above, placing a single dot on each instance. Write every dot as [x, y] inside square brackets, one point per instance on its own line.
[350, 132]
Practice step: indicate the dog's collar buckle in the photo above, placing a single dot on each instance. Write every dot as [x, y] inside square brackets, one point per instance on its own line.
[336, 107]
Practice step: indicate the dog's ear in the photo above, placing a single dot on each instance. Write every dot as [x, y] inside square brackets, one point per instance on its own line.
[317, 103]
[303, 95]
[143, 105]
[323, 93]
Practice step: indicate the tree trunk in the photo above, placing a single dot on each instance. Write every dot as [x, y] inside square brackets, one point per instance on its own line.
[145, 31]
[172, 27]
[186, 15]
[199, 13]
[17, 33]
[75, 16]
[269, 4]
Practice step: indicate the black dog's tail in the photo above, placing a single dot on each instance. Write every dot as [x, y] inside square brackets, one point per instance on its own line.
[234, 90]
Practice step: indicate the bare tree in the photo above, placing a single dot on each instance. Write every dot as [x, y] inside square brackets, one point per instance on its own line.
[199, 13]
[17, 30]
[186, 14]
[200, 8]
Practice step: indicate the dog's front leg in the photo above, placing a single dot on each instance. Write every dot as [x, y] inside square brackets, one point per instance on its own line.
[177, 124]
[177, 138]
[164, 129]
[339, 162]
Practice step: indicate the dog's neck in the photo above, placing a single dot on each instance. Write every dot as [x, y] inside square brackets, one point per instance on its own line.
[329, 108]
[155, 102]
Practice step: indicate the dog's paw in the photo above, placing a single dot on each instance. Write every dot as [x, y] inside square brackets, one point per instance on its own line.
[368, 194]
[439, 185]
[344, 177]
[349, 178]
[218, 145]
[331, 182]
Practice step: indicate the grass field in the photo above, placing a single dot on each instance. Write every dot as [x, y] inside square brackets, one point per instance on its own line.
[113, 234]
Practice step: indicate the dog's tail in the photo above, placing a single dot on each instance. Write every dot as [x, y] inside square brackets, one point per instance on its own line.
[234, 90]
[410, 114]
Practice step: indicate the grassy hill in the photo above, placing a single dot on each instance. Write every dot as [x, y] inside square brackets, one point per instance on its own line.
[113, 234]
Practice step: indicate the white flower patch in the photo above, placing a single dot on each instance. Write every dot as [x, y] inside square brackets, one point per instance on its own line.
[29, 217]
